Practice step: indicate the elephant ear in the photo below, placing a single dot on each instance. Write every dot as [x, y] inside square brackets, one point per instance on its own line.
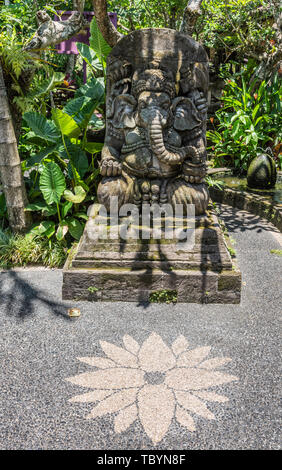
[122, 111]
[186, 116]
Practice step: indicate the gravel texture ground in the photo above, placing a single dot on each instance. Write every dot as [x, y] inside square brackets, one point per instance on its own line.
[40, 345]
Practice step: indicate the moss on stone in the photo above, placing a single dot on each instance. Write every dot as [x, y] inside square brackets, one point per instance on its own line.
[163, 296]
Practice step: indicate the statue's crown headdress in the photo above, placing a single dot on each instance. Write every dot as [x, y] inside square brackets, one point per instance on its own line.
[153, 80]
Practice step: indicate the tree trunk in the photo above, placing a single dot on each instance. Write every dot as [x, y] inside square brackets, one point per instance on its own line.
[24, 81]
[10, 167]
[109, 32]
[190, 16]
[50, 33]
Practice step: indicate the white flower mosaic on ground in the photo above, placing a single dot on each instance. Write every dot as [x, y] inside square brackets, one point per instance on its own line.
[152, 383]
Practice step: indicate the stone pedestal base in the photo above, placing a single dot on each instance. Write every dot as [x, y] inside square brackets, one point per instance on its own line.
[154, 269]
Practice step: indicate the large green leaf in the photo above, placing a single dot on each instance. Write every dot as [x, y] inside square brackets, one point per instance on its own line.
[73, 174]
[41, 126]
[93, 147]
[65, 208]
[93, 88]
[78, 196]
[52, 183]
[97, 42]
[76, 155]
[90, 56]
[36, 206]
[47, 228]
[74, 106]
[75, 228]
[62, 230]
[86, 52]
[93, 93]
[49, 211]
[41, 155]
[86, 113]
[97, 122]
[65, 123]
[47, 85]
[81, 109]
[32, 138]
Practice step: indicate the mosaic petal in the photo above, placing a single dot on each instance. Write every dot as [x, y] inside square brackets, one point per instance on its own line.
[155, 355]
[117, 378]
[215, 362]
[114, 403]
[89, 397]
[210, 396]
[101, 362]
[194, 404]
[156, 409]
[130, 344]
[119, 355]
[125, 418]
[195, 378]
[179, 345]
[193, 357]
[185, 419]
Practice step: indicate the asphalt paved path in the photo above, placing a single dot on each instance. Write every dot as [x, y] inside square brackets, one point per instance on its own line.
[139, 400]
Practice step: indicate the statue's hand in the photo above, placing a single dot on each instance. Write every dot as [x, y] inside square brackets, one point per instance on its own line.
[194, 173]
[110, 167]
[201, 103]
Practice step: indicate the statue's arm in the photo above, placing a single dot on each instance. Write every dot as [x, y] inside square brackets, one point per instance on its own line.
[194, 166]
[110, 162]
[200, 102]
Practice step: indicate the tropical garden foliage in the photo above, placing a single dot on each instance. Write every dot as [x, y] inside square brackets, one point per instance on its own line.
[248, 122]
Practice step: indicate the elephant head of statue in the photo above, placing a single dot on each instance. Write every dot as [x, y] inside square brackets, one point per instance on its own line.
[121, 111]
[186, 115]
[154, 90]
[151, 106]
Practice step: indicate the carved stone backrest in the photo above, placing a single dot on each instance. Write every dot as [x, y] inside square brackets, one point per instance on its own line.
[155, 146]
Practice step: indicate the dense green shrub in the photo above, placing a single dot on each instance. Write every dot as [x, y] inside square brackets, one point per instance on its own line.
[22, 250]
[248, 122]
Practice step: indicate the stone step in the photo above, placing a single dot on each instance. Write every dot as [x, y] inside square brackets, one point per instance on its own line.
[126, 285]
[203, 237]
[133, 270]
[169, 256]
[214, 264]
[150, 249]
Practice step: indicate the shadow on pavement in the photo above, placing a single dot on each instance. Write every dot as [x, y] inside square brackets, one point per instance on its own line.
[239, 220]
[21, 299]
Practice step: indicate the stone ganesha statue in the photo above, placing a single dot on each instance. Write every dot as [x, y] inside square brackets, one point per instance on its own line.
[155, 145]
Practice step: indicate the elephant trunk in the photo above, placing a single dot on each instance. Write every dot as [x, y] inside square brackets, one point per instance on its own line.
[158, 147]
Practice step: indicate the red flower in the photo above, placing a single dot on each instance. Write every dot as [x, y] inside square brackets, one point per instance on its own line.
[255, 95]
[211, 119]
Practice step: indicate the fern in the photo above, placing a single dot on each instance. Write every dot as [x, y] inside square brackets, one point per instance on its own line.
[14, 59]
